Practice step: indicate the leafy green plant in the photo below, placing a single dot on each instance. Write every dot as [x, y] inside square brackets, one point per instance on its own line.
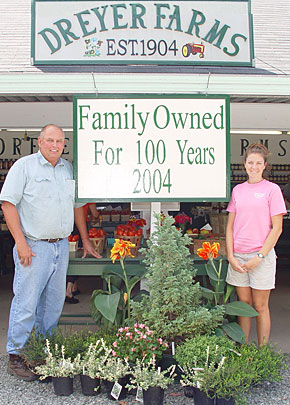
[113, 368]
[230, 372]
[146, 375]
[110, 308]
[221, 293]
[193, 352]
[173, 308]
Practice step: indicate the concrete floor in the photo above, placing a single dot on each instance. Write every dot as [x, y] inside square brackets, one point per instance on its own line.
[279, 305]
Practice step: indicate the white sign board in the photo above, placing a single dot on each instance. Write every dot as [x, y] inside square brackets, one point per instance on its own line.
[165, 32]
[151, 148]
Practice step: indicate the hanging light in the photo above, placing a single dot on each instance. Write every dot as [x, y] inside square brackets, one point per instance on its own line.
[25, 136]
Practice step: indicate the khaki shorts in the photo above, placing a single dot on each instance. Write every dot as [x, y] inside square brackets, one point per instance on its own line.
[261, 278]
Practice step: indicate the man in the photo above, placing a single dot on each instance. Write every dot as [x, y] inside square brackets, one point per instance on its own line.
[38, 204]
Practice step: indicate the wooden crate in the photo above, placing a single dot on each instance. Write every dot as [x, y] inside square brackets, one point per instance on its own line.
[99, 244]
[137, 240]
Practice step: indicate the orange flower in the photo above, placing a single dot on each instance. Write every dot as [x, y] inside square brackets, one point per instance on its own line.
[209, 251]
[125, 297]
[121, 249]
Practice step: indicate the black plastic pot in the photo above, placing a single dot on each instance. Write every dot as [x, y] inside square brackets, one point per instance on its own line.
[153, 396]
[63, 386]
[225, 401]
[89, 384]
[109, 385]
[189, 391]
[166, 361]
[200, 398]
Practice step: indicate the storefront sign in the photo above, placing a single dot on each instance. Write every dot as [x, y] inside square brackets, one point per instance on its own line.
[162, 32]
[151, 148]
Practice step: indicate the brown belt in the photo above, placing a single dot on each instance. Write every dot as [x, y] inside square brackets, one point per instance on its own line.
[51, 240]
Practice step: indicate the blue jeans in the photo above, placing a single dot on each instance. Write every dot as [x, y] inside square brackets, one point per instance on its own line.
[39, 292]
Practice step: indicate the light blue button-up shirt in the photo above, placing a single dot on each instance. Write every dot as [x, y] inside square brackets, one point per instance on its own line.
[43, 195]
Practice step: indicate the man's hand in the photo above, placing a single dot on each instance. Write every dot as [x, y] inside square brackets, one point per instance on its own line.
[89, 249]
[24, 253]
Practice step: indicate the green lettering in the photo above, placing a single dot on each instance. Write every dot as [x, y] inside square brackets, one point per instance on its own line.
[112, 116]
[118, 16]
[181, 149]
[97, 122]
[83, 116]
[167, 116]
[159, 15]
[138, 16]
[235, 45]
[192, 122]
[206, 116]
[179, 120]
[51, 46]
[98, 151]
[175, 17]
[101, 17]
[83, 23]
[212, 160]
[194, 23]
[64, 27]
[213, 34]
[198, 159]
[189, 153]
[219, 117]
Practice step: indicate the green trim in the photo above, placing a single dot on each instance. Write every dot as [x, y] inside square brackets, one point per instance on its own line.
[154, 96]
[129, 62]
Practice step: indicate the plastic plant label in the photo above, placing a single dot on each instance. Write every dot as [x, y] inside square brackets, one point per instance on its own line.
[173, 348]
[116, 390]
[139, 396]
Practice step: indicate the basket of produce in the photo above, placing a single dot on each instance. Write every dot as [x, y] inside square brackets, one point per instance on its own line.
[98, 238]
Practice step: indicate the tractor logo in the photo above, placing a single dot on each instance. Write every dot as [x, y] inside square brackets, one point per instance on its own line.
[193, 49]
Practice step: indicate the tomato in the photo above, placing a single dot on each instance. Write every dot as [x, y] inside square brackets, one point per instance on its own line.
[139, 232]
[70, 238]
[75, 238]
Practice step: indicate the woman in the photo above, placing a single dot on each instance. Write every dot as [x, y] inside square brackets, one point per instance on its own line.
[254, 225]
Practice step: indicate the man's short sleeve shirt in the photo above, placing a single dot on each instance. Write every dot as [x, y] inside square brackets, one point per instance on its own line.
[43, 195]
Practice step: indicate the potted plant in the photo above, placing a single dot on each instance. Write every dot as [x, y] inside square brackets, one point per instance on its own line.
[137, 342]
[88, 365]
[193, 353]
[60, 368]
[173, 309]
[151, 380]
[115, 374]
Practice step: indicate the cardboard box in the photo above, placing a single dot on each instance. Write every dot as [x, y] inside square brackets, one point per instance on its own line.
[73, 246]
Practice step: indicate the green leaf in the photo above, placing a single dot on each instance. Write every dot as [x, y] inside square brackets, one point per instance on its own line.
[107, 304]
[211, 273]
[111, 273]
[207, 293]
[240, 308]
[234, 331]
[229, 291]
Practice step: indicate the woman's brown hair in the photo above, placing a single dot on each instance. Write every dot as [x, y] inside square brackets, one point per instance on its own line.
[262, 150]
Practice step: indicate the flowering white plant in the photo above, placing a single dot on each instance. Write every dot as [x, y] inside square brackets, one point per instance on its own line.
[146, 375]
[56, 365]
[90, 362]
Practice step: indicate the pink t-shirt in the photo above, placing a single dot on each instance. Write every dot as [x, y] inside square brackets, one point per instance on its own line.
[254, 205]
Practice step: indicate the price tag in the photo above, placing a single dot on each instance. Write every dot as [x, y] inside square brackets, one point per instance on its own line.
[116, 390]
[139, 396]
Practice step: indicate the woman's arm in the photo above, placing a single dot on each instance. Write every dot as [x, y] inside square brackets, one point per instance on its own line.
[270, 242]
[230, 244]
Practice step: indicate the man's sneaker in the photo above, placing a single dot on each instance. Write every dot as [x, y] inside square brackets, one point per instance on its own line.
[18, 368]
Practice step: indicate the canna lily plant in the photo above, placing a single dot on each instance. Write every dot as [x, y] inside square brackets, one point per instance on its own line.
[113, 306]
[221, 292]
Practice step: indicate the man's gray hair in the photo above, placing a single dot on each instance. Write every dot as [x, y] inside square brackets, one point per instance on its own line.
[47, 126]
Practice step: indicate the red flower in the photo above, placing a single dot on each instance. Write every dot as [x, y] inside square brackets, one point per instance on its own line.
[209, 251]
